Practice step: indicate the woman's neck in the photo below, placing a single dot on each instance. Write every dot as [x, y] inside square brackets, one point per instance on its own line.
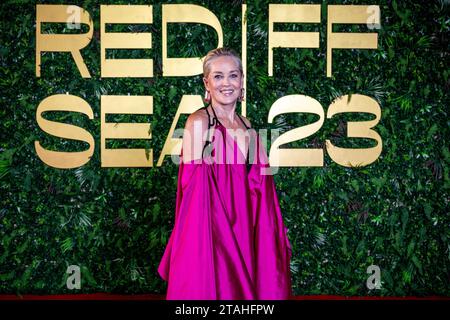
[226, 112]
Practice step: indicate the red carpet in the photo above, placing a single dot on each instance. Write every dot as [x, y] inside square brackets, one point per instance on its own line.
[106, 296]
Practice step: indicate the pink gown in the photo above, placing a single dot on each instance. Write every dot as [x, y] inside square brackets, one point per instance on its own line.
[229, 241]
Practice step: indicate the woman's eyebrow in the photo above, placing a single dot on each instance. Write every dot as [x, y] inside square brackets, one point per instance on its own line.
[220, 72]
[235, 70]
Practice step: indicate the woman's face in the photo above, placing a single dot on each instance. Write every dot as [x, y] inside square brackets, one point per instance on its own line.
[224, 81]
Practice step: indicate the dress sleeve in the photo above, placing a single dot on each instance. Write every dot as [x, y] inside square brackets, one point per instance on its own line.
[190, 245]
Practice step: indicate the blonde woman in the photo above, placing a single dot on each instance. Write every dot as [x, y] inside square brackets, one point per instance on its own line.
[229, 241]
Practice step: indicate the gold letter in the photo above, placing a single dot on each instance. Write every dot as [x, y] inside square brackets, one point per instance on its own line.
[173, 13]
[342, 40]
[301, 156]
[172, 146]
[292, 13]
[72, 43]
[118, 40]
[125, 105]
[349, 157]
[59, 159]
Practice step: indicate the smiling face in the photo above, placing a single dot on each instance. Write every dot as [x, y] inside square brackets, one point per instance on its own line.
[224, 81]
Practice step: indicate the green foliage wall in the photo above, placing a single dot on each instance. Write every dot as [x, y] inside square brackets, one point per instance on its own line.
[115, 222]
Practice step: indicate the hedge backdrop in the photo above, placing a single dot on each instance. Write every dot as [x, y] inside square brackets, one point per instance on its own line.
[115, 222]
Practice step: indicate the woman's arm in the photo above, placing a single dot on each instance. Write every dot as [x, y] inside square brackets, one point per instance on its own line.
[194, 135]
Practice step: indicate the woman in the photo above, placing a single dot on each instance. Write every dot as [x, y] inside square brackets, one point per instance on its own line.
[229, 241]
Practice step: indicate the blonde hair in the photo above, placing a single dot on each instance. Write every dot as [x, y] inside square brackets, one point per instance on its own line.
[220, 52]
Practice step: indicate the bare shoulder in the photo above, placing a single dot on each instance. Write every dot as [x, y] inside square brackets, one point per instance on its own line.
[192, 143]
[198, 117]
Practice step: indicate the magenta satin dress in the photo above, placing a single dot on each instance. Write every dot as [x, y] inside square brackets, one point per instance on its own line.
[229, 240]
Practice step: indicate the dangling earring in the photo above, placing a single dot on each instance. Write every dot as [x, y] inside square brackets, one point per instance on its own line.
[207, 98]
[242, 97]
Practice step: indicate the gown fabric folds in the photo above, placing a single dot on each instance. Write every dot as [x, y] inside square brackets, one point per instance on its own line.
[229, 241]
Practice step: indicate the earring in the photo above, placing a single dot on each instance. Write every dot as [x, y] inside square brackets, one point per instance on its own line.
[207, 98]
[242, 96]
